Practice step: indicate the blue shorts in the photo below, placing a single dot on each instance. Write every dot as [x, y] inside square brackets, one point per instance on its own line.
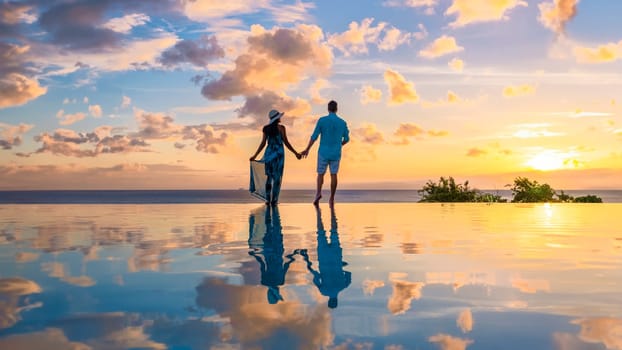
[322, 164]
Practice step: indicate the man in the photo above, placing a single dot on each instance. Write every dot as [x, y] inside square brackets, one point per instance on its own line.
[335, 134]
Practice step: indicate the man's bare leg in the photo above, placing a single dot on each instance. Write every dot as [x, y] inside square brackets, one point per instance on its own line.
[333, 189]
[318, 192]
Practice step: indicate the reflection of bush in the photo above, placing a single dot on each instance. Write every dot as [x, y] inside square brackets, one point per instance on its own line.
[446, 190]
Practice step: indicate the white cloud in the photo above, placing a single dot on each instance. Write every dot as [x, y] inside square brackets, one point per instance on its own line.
[125, 102]
[126, 23]
[95, 111]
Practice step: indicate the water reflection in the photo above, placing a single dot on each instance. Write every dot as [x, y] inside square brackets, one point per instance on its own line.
[419, 276]
[330, 278]
[266, 243]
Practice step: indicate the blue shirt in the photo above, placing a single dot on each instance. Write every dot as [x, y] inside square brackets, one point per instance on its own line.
[334, 131]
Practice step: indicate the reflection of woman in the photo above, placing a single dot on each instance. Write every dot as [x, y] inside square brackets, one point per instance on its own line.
[331, 278]
[270, 259]
[274, 157]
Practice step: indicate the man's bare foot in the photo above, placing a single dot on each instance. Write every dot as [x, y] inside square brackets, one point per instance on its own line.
[316, 201]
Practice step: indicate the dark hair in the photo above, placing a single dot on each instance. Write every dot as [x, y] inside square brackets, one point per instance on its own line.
[332, 106]
[271, 129]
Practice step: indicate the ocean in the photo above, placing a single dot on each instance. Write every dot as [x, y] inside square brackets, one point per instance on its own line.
[238, 196]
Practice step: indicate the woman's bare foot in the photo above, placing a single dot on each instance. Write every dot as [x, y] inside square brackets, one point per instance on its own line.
[316, 201]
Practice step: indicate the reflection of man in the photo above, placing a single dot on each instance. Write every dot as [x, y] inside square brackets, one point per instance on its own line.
[270, 260]
[331, 278]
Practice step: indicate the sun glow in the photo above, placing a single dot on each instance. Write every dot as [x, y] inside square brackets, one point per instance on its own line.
[552, 160]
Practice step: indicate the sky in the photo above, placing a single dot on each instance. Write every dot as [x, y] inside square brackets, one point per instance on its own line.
[172, 94]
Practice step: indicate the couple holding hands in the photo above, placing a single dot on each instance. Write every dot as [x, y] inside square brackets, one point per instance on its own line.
[333, 133]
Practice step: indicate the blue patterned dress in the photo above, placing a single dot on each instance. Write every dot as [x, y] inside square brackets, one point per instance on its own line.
[274, 160]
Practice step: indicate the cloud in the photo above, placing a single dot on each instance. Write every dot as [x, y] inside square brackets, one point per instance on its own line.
[476, 152]
[440, 47]
[403, 294]
[438, 133]
[196, 52]
[393, 38]
[210, 10]
[125, 102]
[273, 61]
[448, 342]
[519, 90]
[315, 89]
[11, 303]
[68, 119]
[605, 330]
[126, 23]
[159, 126]
[400, 90]
[356, 38]
[465, 321]
[11, 135]
[12, 13]
[370, 94]
[69, 143]
[387, 38]
[17, 83]
[368, 133]
[456, 64]
[602, 54]
[369, 286]
[25, 257]
[409, 130]
[50, 338]
[256, 107]
[255, 326]
[473, 11]
[95, 111]
[410, 3]
[555, 14]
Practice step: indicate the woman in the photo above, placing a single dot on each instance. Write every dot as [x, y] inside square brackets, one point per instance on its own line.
[274, 157]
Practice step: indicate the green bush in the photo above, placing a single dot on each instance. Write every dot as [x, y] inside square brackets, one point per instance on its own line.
[527, 191]
[447, 190]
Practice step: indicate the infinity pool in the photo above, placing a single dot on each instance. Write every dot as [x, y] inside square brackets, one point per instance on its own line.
[364, 276]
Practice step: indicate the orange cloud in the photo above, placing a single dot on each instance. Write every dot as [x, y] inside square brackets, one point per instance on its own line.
[602, 54]
[403, 294]
[465, 321]
[356, 38]
[401, 91]
[17, 89]
[370, 95]
[457, 65]
[472, 11]
[274, 60]
[210, 10]
[603, 330]
[68, 119]
[519, 90]
[393, 38]
[554, 15]
[440, 47]
[438, 133]
[368, 133]
[11, 135]
[476, 152]
[50, 338]
[369, 286]
[447, 342]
